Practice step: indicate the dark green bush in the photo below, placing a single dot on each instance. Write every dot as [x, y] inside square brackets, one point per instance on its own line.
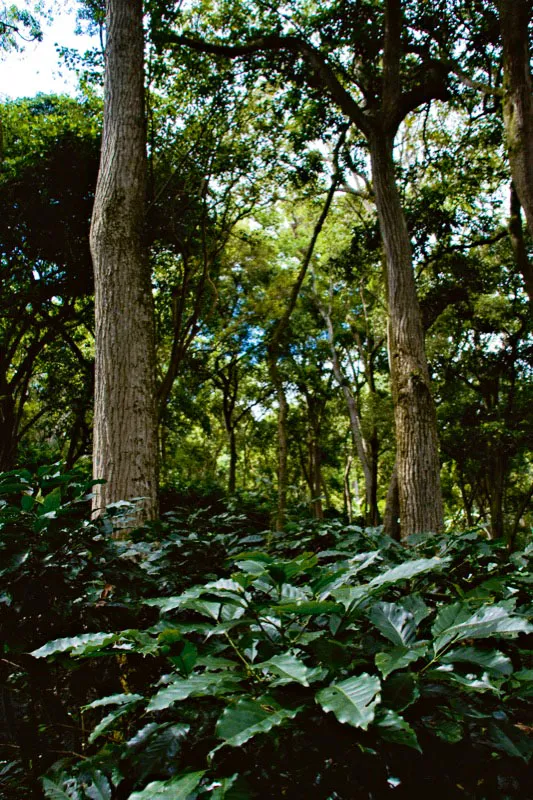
[328, 662]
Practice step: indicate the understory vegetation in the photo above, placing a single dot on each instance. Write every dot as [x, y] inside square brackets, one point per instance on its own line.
[205, 656]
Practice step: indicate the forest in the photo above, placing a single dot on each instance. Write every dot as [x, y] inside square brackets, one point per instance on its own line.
[265, 403]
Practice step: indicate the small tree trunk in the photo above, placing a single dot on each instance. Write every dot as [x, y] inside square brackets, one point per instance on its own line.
[348, 489]
[391, 518]
[417, 452]
[361, 446]
[232, 477]
[283, 409]
[8, 436]
[125, 431]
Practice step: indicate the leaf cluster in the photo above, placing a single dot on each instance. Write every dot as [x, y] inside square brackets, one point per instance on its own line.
[327, 657]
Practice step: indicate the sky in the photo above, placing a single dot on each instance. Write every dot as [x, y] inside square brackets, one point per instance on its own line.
[38, 68]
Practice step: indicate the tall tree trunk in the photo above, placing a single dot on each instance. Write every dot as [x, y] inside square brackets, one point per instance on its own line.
[125, 433]
[417, 452]
[518, 98]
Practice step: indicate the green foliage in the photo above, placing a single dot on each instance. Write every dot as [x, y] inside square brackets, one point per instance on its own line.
[404, 656]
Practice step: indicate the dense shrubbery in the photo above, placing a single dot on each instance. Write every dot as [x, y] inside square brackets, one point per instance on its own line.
[202, 658]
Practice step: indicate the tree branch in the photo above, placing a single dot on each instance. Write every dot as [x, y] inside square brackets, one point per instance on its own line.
[272, 42]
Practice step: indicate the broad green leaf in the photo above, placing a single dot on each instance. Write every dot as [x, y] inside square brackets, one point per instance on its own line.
[111, 718]
[178, 788]
[142, 736]
[408, 570]
[353, 701]
[394, 622]
[446, 673]
[53, 791]
[289, 669]
[398, 658]
[512, 741]
[99, 788]
[400, 691]
[248, 718]
[494, 661]
[159, 745]
[27, 502]
[78, 643]
[394, 728]
[113, 700]
[51, 502]
[206, 684]
[456, 623]
[417, 607]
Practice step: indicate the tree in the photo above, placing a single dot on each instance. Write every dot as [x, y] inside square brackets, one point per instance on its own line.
[393, 83]
[46, 191]
[125, 431]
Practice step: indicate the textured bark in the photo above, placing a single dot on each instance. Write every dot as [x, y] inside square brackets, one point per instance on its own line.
[125, 432]
[516, 234]
[417, 453]
[518, 99]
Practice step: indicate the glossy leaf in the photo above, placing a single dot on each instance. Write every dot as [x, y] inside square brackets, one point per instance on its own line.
[394, 622]
[206, 684]
[457, 622]
[353, 701]
[394, 728]
[79, 643]
[494, 661]
[248, 718]
[53, 791]
[408, 570]
[99, 788]
[178, 788]
[114, 700]
[290, 669]
[398, 658]
[110, 719]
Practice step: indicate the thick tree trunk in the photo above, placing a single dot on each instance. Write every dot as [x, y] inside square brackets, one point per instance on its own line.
[125, 432]
[417, 452]
[518, 99]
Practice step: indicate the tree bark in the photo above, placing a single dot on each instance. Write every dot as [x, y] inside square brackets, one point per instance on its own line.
[518, 244]
[125, 450]
[518, 99]
[417, 454]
